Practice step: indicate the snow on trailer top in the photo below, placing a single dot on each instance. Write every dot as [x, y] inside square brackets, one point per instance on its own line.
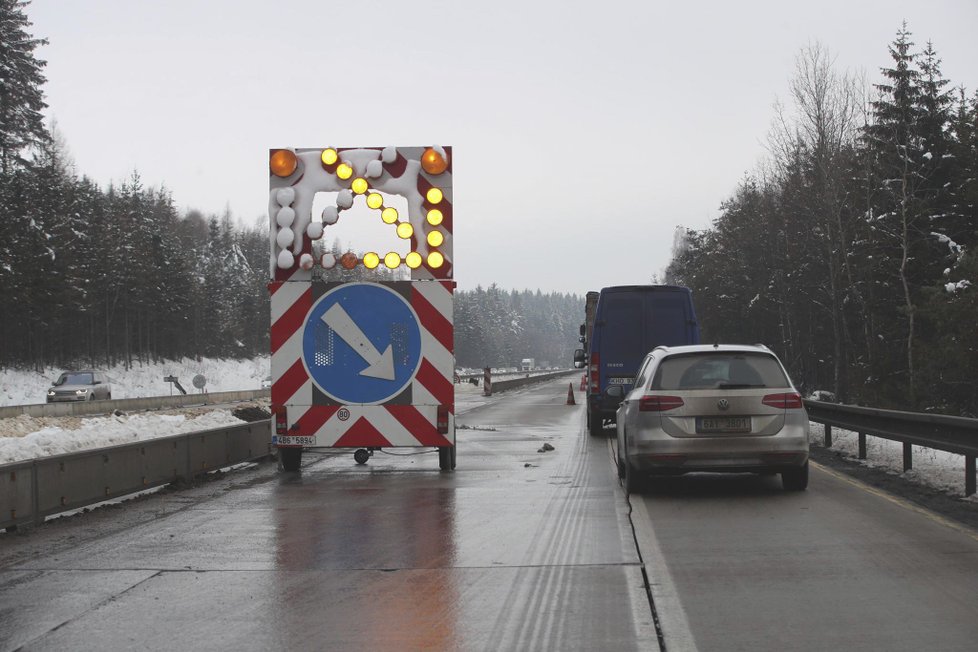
[421, 175]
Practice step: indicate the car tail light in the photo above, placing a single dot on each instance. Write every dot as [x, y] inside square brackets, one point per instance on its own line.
[790, 401]
[595, 377]
[659, 403]
[281, 420]
[441, 419]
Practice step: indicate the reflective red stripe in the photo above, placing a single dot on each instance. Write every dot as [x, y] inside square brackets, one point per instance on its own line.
[362, 434]
[314, 418]
[291, 321]
[433, 321]
[420, 428]
[289, 383]
[440, 387]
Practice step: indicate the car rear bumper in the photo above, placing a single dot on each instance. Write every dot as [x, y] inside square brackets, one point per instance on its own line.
[757, 454]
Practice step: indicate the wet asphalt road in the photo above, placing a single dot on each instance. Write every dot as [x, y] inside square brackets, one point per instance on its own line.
[515, 550]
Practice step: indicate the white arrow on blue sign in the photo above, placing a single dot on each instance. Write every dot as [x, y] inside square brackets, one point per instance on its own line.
[362, 343]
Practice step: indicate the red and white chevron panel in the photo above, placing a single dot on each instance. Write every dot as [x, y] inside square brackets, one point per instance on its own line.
[309, 415]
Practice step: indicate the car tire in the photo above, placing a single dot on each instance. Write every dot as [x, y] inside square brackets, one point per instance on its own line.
[620, 464]
[633, 479]
[290, 458]
[795, 479]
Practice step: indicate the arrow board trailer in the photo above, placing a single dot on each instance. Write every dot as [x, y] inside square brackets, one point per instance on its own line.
[367, 363]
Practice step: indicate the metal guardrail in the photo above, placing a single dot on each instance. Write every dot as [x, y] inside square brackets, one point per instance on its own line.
[82, 408]
[952, 434]
[34, 489]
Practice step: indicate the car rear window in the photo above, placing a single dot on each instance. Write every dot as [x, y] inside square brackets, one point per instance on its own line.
[719, 370]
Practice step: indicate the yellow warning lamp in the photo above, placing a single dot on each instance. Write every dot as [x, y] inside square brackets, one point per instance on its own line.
[375, 200]
[435, 260]
[434, 195]
[348, 260]
[435, 217]
[344, 171]
[405, 230]
[283, 162]
[330, 156]
[389, 215]
[413, 260]
[435, 238]
[359, 185]
[433, 162]
[392, 260]
[371, 260]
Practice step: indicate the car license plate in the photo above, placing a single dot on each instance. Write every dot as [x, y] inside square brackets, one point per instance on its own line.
[722, 424]
[294, 440]
[620, 381]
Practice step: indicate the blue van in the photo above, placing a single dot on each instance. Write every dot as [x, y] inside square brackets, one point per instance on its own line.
[630, 321]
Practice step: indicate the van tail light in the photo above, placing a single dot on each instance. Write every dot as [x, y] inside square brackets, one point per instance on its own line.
[441, 420]
[790, 401]
[595, 377]
[659, 403]
[281, 420]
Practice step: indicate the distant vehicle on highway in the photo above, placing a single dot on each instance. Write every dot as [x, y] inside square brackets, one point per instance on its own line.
[84, 385]
[712, 408]
[628, 322]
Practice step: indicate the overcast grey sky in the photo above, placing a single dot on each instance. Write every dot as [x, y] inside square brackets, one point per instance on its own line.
[583, 132]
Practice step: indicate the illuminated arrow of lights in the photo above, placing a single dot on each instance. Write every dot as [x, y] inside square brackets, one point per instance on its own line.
[380, 365]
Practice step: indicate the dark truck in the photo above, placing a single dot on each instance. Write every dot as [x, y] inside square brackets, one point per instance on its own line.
[628, 322]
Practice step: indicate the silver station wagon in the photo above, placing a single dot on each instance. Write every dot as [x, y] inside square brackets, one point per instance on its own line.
[715, 408]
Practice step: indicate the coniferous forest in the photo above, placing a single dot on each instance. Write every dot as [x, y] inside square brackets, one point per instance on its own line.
[849, 251]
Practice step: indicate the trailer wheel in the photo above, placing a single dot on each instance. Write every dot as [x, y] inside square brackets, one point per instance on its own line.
[446, 458]
[291, 458]
[361, 455]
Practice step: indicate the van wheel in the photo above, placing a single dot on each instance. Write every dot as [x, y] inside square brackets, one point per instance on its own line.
[594, 424]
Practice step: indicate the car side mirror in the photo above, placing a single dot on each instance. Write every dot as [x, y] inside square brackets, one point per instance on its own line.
[615, 392]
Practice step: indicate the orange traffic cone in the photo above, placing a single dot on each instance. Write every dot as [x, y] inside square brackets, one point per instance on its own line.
[583, 382]
[570, 394]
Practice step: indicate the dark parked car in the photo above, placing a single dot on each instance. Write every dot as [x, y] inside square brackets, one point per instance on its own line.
[84, 385]
[713, 408]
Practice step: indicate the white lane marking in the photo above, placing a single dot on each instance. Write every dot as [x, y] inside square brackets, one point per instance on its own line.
[896, 500]
[380, 365]
[668, 606]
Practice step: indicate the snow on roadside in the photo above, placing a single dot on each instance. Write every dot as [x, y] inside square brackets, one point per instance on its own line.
[933, 468]
[100, 432]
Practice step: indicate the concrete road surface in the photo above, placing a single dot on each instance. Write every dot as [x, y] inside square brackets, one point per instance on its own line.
[515, 550]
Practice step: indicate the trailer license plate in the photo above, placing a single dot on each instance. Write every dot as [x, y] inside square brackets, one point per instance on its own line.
[620, 381]
[723, 424]
[295, 440]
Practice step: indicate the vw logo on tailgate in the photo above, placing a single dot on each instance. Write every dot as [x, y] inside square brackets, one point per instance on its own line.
[723, 404]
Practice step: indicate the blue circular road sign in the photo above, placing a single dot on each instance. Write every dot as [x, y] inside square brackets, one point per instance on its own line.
[362, 343]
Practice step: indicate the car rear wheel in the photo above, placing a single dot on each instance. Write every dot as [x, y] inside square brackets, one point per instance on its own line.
[795, 479]
[634, 482]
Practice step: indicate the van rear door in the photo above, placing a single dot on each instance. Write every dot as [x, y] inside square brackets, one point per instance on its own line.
[669, 319]
[622, 342]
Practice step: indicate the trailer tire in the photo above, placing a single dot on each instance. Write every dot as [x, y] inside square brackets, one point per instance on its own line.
[290, 458]
[446, 458]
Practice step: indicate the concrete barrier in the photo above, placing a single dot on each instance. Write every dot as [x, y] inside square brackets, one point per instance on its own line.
[87, 408]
